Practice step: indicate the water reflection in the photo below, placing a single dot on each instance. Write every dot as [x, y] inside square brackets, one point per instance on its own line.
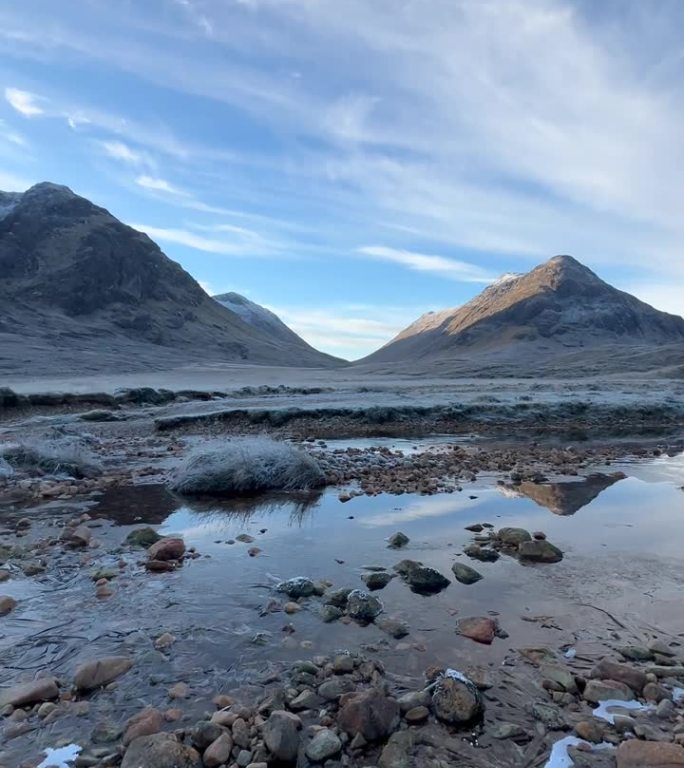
[567, 497]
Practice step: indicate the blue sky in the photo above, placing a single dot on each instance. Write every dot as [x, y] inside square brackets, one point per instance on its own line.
[354, 164]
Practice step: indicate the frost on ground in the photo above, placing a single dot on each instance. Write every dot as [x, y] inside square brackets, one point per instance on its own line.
[64, 456]
[247, 465]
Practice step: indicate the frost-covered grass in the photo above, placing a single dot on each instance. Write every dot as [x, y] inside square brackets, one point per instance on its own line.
[247, 465]
[62, 456]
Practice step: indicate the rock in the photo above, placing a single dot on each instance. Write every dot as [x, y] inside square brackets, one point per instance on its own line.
[561, 677]
[398, 751]
[42, 689]
[660, 647]
[417, 715]
[483, 554]
[244, 538]
[465, 574]
[106, 733]
[456, 700]
[396, 628]
[481, 629]
[398, 540]
[143, 537]
[665, 709]
[404, 567]
[549, 715]
[511, 731]
[159, 566]
[589, 730]
[330, 613]
[179, 691]
[241, 735]
[218, 752]
[601, 690]
[167, 549]
[369, 713]
[95, 674]
[655, 692]
[539, 551]
[79, 536]
[331, 690]
[513, 537]
[292, 608]
[611, 670]
[636, 653]
[281, 735]
[338, 597]
[375, 581]
[362, 606]
[343, 664]
[425, 580]
[164, 641]
[414, 699]
[205, 733]
[298, 587]
[147, 722]
[649, 754]
[325, 744]
[306, 700]
[7, 604]
[475, 528]
[161, 750]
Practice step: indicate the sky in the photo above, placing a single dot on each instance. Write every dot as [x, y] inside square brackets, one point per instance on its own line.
[354, 164]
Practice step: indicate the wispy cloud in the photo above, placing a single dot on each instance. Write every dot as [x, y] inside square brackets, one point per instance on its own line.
[117, 150]
[438, 265]
[24, 102]
[159, 185]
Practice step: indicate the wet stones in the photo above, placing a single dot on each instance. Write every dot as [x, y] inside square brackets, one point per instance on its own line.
[549, 715]
[77, 538]
[378, 580]
[539, 551]
[218, 752]
[611, 670]
[421, 578]
[481, 629]
[324, 745]
[143, 537]
[297, 587]
[464, 574]
[649, 754]
[146, 723]
[455, 699]
[95, 674]
[483, 554]
[7, 604]
[167, 549]
[512, 537]
[398, 540]
[42, 689]
[602, 690]
[161, 750]
[363, 607]
[281, 735]
[370, 713]
[396, 628]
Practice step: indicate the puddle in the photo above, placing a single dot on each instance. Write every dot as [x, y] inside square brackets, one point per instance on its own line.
[60, 758]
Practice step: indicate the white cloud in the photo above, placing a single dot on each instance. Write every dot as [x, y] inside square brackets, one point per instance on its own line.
[159, 185]
[24, 102]
[438, 265]
[117, 150]
[193, 240]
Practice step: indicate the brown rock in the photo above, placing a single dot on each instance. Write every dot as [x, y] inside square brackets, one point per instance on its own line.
[95, 674]
[179, 691]
[649, 754]
[161, 750]
[370, 713]
[623, 673]
[589, 730]
[147, 722]
[481, 629]
[7, 604]
[79, 537]
[160, 566]
[417, 715]
[601, 690]
[164, 641]
[167, 549]
[218, 752]
[42, 689]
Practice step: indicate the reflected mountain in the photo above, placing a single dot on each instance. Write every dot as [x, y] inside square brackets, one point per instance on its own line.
[567, 497]
[133, 504]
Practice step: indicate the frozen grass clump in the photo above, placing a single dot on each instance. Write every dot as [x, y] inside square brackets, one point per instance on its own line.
[64, 456]
[247, 465]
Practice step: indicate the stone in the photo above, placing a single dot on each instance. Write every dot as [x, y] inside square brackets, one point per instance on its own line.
[241, 735]
[324, 745]
[397, 751]
[561, 677]
[106, 733]
[338, 597]
[306, 700]
[475, 528]
[549, 715]
[481, 629]
[343, 663]
[79, 536]
[161, 750]
[611, 670]
[362, 606]
[160, 566]
[330, 613]
[456, 700]
[42, 689]
[465, 574]
[292, 608]
[143, 537]
[483, 554]
[371, 713]
[244, 538]
[7, 604]
[417, 715]
[539, 551]
[661, 648]
[396, 628]
[218, 752]
[331, 690]
[281, 735]
[95, 674]
[414, 699]
[179, 691]
[164, 641]
[649, 754]
[513, 537]
[145, 723]
[601, 690]
[510, 731]
[205, 733]
[298, 587]
[398, 540]
[589, 730]
[167, 549]
[636, 653]
[655, 692]
[425, 580]
[375, 581]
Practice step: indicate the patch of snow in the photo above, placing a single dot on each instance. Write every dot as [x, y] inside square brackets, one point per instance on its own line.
[61, 757]
[570, 653]
[454, 674]
[602, 711]
[677, 695]
[559, 757]
[507, 277]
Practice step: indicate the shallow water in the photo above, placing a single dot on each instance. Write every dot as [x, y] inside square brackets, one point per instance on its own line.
[623, 556]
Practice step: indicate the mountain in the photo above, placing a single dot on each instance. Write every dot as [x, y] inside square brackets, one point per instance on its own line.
[558, 315]
[81, 291]
[564, 498]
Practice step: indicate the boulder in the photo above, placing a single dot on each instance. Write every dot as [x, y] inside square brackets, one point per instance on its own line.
[649, 754]
[143, 537]
[379, 580]
[370, 713]
[513, 537]
[218, 752]
[95, 674]
[167, 549]
[281, 735]
[539, 551]
[146, 723]
[623, 673]
[456, 699]
[161, 750]
[483, 554]
[205, 733]
[481, 629]
[324, 745]
[425, 580]
[398, 751]
[398, 540]
[298, 587]
[465, 574]
[7, 604]
[42, 689]
[604, 690]
[362, 606]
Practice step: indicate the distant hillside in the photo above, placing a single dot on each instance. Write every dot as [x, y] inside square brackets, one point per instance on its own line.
[560, 311]
[81, 291]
